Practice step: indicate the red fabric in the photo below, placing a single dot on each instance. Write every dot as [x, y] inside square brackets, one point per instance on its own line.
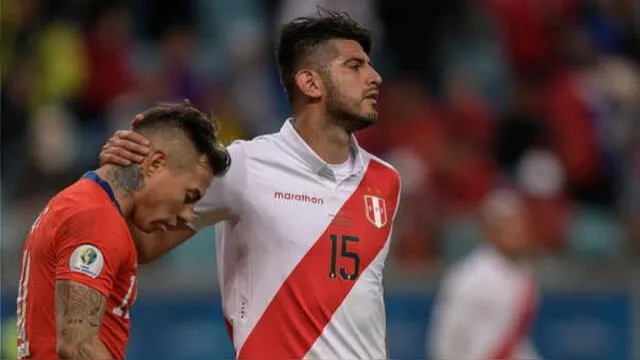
[299, 312]
[528, 29]
[549, 218]
[572, 128]
[80, 215]
[108, 73]
[521, 325]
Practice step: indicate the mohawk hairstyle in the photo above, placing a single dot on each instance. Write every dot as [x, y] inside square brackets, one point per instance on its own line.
[200, 128]
[301, 37]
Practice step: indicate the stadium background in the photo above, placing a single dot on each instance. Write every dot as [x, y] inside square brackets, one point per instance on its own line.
[543, 95]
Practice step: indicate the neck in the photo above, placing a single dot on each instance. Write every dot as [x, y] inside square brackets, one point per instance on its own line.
[329, 141]
[121, 190]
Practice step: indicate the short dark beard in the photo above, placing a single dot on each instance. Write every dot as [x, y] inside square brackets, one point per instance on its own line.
[339, 114]
[127, 179]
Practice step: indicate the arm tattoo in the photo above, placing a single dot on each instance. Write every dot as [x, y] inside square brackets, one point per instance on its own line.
[79, 313]
[128, 179]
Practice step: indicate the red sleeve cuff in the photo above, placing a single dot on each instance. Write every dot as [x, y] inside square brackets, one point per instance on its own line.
[86, 280]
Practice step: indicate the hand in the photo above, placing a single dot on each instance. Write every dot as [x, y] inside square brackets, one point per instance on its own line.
[125, 147]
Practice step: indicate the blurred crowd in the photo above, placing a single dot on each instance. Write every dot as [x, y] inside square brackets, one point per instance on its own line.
[539, 95]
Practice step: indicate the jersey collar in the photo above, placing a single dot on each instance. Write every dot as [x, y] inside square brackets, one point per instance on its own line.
[93, 176]
[314, 161]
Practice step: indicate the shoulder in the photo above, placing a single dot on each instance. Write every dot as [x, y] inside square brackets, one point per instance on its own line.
[102, 220]
[468, 275]
[477, 276]
[97, 230]
[227, 191]
[256, 147]
[384, 167]
[81, 202]
[241, 150]
[383, 170]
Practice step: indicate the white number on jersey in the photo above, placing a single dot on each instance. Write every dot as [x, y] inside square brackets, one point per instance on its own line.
[37, 222]
[123, 308]
[23, 292]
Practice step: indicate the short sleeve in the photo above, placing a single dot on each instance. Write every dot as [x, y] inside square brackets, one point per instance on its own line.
[91, 247]
[222, 200]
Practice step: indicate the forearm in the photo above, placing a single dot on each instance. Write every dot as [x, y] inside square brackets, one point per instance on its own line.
[91, 348]
[79, 313]
[153, 246]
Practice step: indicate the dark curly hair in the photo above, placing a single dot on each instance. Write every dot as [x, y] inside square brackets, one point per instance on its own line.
[301, 37]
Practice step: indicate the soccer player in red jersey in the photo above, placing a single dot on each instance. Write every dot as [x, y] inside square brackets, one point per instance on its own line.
[78, 278]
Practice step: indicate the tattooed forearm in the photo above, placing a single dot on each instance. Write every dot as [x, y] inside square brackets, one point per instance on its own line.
[79, 313]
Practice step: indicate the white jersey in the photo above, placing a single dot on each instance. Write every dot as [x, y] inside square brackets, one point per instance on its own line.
[301, 254]
[484, 310]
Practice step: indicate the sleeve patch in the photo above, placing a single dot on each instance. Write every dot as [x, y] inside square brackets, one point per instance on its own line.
[87, 259]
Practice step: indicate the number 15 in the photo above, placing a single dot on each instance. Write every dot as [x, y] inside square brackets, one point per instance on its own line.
[344, 253]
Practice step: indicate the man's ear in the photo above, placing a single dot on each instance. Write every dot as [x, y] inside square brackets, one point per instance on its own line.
[310, 83]
[155, 162]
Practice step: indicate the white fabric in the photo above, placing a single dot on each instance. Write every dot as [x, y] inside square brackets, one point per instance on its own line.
[278, 198]
[477, 305]
[343, 170]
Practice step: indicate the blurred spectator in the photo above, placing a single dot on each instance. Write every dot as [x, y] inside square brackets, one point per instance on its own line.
[414, 50]
[528, 29]
[540, 95]
[16, 106]
[521, 126]
[573, 128]
[541, 179]
[225, 109]
[467, 170]
[487, 303]
[107, 52]
[19, 22]
[613, 27]
[544, 95]
[176, 73]
[61, 64]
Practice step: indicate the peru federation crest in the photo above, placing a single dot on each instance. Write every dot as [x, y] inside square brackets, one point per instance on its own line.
[376, 210]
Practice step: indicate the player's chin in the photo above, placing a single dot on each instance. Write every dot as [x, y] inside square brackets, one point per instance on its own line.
[370, 117]
[161, 227]
[152, 227]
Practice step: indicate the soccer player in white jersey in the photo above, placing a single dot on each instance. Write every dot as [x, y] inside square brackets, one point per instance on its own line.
[304, 215]
[487, 303]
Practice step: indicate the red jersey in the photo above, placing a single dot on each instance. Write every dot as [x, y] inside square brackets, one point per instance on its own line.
[79, 236]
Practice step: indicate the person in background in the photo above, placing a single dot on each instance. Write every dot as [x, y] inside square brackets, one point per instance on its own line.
[487, 303]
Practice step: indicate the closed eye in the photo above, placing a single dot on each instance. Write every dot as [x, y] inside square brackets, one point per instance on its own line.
[192, 196]
[355, 63]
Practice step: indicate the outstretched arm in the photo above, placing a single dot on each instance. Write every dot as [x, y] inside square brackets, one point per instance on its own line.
[154, 245]
[79, 313]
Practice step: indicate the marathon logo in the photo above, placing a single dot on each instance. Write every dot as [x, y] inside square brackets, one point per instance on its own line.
[298, 197]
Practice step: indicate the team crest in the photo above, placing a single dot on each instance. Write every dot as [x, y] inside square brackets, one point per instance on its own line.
[376, 210]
